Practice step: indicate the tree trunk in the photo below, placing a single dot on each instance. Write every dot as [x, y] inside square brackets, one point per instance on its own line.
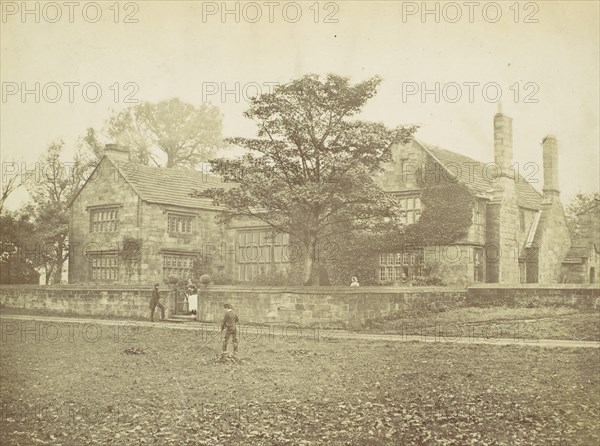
[170, 160]
[58, 271]
[309, 261]
[49, 273]
[60, 261]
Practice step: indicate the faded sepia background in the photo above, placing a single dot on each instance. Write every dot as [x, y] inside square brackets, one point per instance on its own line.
[173, 51]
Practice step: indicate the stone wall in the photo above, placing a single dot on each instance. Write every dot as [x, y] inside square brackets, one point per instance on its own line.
[105, 187]
[576, 272]
[456, 262]
[205, 237]
[581, 296]
[306, 306]
[117, 301]
[303, 306]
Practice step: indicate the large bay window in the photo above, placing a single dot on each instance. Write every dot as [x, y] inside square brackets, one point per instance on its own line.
[260, 251]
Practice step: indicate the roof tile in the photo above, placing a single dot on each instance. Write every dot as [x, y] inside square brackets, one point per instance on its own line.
[173, 185]
[477, 181]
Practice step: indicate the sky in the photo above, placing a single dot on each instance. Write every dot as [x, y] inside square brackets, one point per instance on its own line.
[540, 60]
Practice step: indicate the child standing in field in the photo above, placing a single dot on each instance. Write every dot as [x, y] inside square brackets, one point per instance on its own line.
[230, 320]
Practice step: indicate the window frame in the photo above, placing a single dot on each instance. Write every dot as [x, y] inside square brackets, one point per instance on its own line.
[103, 265]
[107, 216]
[180, 223]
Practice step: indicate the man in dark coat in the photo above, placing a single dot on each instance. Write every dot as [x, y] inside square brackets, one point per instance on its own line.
[229, 321]
[155, 302]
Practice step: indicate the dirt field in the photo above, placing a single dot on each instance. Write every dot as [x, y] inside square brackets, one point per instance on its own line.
[116, 385]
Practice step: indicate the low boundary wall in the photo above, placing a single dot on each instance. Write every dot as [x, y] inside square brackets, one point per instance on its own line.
[303, 306]
[350, 307]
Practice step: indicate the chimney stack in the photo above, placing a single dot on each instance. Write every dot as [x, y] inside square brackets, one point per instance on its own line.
[503, 150]
[550, 156]
[116, 152]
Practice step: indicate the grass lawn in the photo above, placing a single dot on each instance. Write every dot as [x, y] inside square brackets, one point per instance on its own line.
[154, 386]
[495, 322]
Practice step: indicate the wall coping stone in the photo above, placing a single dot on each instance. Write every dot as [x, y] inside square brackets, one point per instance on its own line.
[244, 289]
[535, 286]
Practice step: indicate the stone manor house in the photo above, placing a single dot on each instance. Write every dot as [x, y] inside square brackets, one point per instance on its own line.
[517, 235]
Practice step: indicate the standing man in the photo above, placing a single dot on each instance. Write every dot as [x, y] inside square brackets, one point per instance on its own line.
[229, 321]
[155, 302]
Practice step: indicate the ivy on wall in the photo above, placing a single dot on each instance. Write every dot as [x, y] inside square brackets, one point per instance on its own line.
[131, 249]
[446, 216]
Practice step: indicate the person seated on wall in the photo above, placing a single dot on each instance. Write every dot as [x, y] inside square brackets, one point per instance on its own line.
[354, 281]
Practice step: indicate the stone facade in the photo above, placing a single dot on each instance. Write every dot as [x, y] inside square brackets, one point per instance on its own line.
[106, 189]
[582, 264]
[144, 235]
[584, 269]
[146, 224]
[517, 234]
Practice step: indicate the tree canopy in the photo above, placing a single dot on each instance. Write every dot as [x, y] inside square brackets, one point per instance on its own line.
[51, 188]
[170, 133]
[309, 171]
[580, 203]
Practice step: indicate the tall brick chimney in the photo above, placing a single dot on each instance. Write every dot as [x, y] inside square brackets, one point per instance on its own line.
[503, 150]
[550, 156]
[116, 152]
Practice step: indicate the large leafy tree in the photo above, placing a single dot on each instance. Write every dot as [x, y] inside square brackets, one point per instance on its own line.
[169, 133]
[309, 172]
[51, 187]
[580, 203]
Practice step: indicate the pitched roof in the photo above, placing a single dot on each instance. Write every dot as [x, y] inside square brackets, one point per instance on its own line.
[172, 185]
[166, 186]
[474, 177]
